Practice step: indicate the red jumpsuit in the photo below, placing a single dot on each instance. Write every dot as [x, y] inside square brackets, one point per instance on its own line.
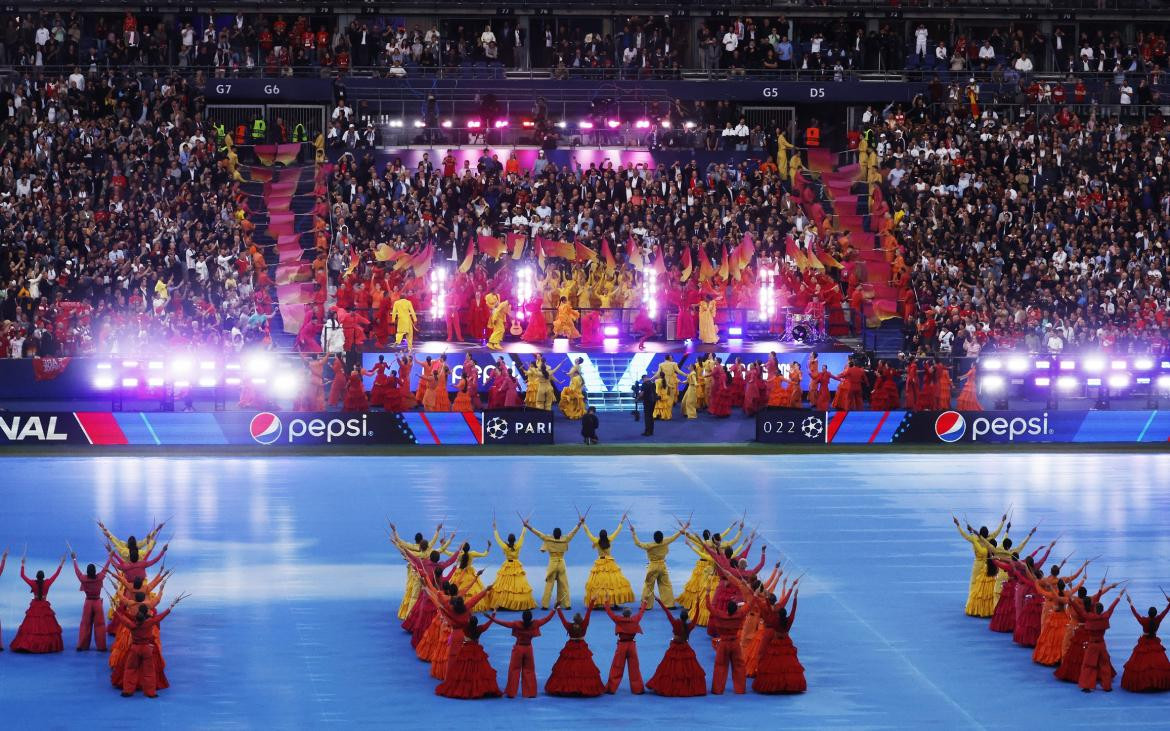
[521, 670]
[140, 670]
[626, 653]
[454, 314]
[132, 570]
[93, 617]
[728, 651]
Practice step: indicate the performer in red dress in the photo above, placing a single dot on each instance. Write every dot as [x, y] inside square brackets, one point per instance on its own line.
[471, 376]
[912, 386]
[140, 670]
[968, 400]
[314, 393]
[521, 670]
[423, 611]
[591, 332]
[470, 674]
[778, 669]
[537, 330]
[406, 400]
[848, 396]
[355, 394]
[93, 617]
[574, 673]
[1096, 667]
[727, 621]
[381, 382]
[1147, 669]
[337, 387]
[39, 632]
[942, 379]
[679, 674]
[824, 397]
[719, 403]
[928, 392]
[477, 317]
[627, 628]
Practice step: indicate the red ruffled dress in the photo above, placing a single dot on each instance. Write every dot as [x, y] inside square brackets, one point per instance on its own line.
[1147, 669]
[381, 388]
[719, 403]
[591, 333]
[39, 632]
[679, 674]
[1069, 669]
[685, 327]
[470, 675]
[1004, 617]
[574, 673]
[1027, 630]
[537, 330]
[778, 669]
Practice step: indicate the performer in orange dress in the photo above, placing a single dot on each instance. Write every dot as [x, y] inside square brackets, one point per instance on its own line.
[848, 396]
[469, 674]
[521, 670]
[928, 392]
[574, 673]
[437, 397]
[912, 386]
[942, 379]
[406, 400]
[462, 398]
[1147, 669]
[314, 393]
[1050, 644]
[795, 390]
[824, 397]
[425, 379]
[968, 400]
[679, 674]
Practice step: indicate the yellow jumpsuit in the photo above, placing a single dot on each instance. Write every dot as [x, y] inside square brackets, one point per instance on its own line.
[556, 573]
[497, 321]
[656, 572]
[606, 584]
[981, 592]
[697, 586]
[572, 396]
[511, 589]
[404, 319]
[673, 374]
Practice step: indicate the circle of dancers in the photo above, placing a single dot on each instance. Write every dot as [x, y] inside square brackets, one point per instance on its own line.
[446, 608]
[1056, 615]
[135, 658]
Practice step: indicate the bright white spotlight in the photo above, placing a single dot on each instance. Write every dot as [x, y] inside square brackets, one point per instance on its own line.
[642, 124]
[562, 124]
[1066, 383]
[259, 364]
[993, 384]
[1094, 365]
[395, 122]
[1043, 365]
[1143, 364]
[1093, 382]
[259, 381]
[447, 124]
[129, 383]
[613, 123]
[232, 381]
[1118, 380]
[1068, 365]
[129, 364]
[154, 382]
[103, 383]
[1117, 365]
[1044, 381]
[585, 124]
[181, 366]
[207, 382]
[103, 366]
[155, 365]
[207, 365]
[1017, 365]
[1163, 381]
[419, 124]
[1142, 381]
[286, 385]
[992, 364]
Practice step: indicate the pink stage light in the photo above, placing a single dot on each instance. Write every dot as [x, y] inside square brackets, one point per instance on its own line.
[613, 123]
[735, 331]
[610, 343]
[610, 331]
[585, 124]
[642, 124]
[501, 123]
[474, 124]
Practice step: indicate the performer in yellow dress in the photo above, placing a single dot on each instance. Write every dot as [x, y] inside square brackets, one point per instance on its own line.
[656, 573]
[981, 592]
[402, 311]
[563, 326]
[674, 375]
[664, 407]
[693, 394]
[419, 549]
[466, 578]
[498, 319]
[694, 593]
[511, 589]
[532, 383]
[546, 395]
[708, 332]
[573, 395]
[122, 548]
[555, 544]
[606, 583]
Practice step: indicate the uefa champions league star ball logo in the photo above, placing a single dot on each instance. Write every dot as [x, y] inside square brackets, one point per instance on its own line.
[950, 426]
[812, 427]
[265, 427]
[497, 428]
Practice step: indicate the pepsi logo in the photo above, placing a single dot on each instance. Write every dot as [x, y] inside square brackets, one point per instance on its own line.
[950, 426]
[265, 427]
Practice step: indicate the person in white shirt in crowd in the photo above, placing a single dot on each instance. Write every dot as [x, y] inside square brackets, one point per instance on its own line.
[987, 55]
[921, 34]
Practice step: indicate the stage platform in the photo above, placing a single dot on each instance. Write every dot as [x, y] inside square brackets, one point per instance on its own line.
[732, 347]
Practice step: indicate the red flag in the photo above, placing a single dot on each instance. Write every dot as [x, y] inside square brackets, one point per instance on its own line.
[659, 261]
[516, 245]
[607, 254]
[469, 259]
[422, 261]
[46, 369]
[723, 268]
[706, 271]
[565, 250]
[584, 253]
[793, 251]
[746, 249]
[686, 264]
[491, 246]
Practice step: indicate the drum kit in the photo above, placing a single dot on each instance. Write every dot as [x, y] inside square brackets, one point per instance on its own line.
[803, 329]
